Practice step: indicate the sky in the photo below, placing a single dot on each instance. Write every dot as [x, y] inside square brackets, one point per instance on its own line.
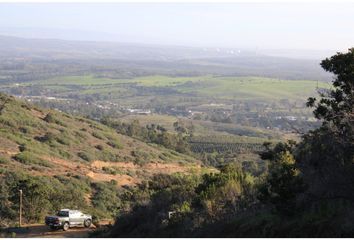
[315, 25]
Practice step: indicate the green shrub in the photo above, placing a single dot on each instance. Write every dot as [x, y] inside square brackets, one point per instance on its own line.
[106, 198]
[22, 147]
[64, 154]
[144, 156]
[115, 144]
[110, 170]
[25, 130]
[97, 135]
[99, 147]
[163, 157]
[3, 160]
[48, 137]
[27, 158]
[51, 118]
[85, 156]
[63, 140]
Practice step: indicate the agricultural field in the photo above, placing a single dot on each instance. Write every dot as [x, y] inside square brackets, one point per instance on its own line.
[254, 88]
[235, 88]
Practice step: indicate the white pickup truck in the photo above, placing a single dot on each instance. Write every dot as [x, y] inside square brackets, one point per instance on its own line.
[67, 218]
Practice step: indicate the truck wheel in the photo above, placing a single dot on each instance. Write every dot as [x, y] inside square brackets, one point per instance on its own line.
[66, 226]
[87, 223]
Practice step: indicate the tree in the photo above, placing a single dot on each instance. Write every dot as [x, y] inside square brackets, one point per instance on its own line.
[326, 155]
[6, 211]
[284, 181]
[336, 106]
[36, 194]
[227, 192]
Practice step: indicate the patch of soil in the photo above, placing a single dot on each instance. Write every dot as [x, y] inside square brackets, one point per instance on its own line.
[121, 179]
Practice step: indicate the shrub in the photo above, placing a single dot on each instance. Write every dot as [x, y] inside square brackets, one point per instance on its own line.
[106, 198]
[3, 160]
[110, 170]
[64, 139]
[85, 156]
[64, 154]
[107, 156]
[114, 144]
[97, 135]
[140, 156]
[99, 147]
[29, 158]
[46, 138]
[51, 118]
[22, 147]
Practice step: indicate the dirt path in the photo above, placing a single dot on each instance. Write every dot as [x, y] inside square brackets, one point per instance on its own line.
[42, 231]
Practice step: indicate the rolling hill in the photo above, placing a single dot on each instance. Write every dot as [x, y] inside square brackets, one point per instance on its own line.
[48, 142]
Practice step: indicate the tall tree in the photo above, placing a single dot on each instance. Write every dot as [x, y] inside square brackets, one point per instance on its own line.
[326, 155]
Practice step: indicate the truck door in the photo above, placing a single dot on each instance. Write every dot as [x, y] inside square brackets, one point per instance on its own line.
[74, 218]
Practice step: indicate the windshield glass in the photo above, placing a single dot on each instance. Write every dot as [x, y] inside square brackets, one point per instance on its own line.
[63, 214]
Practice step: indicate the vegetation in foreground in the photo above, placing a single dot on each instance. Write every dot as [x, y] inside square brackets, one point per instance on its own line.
[307, 192]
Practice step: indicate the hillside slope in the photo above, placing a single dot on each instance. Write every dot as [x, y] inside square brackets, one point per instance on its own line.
[47, 142]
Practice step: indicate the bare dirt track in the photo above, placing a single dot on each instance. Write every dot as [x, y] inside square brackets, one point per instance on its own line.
[43, 231]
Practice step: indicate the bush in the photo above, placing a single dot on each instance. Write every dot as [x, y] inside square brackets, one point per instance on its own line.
[29, 158]
[85, 156]
[115, 144]
[99, 147]
[98, 135]
[46, 138]
[3, 160]
[106, 198]
[51, 118]
[64, 139]
[141, 157]
[109, 170]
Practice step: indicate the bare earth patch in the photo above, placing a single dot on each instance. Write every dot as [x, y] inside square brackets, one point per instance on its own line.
[129, 175]
[151, 167]
[121, 179]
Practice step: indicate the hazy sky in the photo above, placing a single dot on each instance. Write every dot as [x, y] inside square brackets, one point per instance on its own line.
[262, 25]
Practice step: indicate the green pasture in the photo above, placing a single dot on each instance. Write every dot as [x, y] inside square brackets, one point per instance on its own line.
[238, 88]
[251, 88]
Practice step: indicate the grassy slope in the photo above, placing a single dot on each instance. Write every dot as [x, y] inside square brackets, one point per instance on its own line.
[58, 143]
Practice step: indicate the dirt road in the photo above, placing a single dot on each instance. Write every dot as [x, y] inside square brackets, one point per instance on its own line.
[42, 231]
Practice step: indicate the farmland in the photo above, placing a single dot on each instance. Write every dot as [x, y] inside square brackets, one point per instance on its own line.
[236, 88]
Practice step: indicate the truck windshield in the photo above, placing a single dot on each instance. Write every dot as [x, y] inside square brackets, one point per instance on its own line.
[63, 214]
